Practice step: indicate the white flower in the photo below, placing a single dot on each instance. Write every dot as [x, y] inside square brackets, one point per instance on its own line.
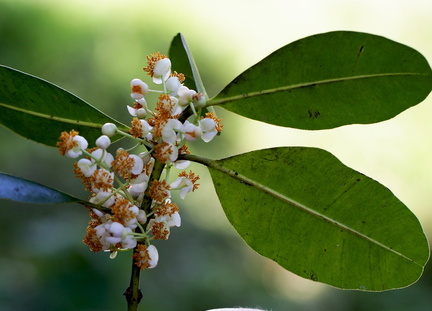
[172, 221]
[111, 233]
[181, 164]
[102, 180]
[146, 128]
[191, 131]
[138, 164]
[208, 127]
[81, 144]
[86, 167]
[169, 131]
[168, 153]
[128, 241]
[104, 196]
[139, 89]
[172, 85]
[161, 70]
[138, 112]
[184, 184]
[103, 157]
[185, 95]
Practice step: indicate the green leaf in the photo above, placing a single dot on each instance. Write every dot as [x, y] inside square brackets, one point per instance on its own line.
[319, 219]
[40, 111]
[183, 62]
[329, 80]
[23, 190]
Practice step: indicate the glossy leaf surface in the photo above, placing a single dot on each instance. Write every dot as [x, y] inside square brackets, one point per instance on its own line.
[23, 190]
[319, 219]
[329, 80]
[183, 62]
[40, 111]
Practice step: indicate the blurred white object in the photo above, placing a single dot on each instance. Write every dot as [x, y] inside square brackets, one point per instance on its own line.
[235, 309]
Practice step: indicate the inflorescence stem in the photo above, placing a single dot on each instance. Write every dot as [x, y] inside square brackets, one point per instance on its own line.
[133, 293]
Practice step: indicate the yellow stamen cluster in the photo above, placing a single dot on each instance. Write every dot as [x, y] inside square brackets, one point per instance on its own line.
[141, 257]
[102, 180]
[121, 211]
[123, 164]
[85, 180]
[191, 176]
[160, 231]
[136, 128]
[217, 120]
[159, 191]
[164, 112]
[66, 142]
[151, 60]
[91, 239]
[167, 209]
[179, 76]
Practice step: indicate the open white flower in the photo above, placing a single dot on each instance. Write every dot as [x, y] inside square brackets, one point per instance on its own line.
[186, 183]
[139, 89]
[208, 127]
[104, 196]
[185, 95]
[172, 85]
[191, 131]
[170, 129]
[162, 70]
[86, 167]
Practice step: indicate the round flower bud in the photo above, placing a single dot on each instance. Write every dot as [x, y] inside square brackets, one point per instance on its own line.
[103, 142]
[199, 100]
[109, 129]
[141, 113]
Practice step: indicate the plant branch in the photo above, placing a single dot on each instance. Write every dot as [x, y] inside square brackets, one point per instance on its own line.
[133, 293]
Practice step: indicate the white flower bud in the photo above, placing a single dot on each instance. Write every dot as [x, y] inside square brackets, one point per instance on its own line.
[199, 100]
[103, 142]
[141, 113]
[115, 228]
[109, 129]
[142, 217]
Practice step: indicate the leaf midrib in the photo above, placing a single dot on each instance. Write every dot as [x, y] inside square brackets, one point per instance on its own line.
[307, 84]
[215, 165]
[52, 117]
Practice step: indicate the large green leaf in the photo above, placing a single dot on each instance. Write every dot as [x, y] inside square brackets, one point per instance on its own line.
[329, 80]
[40, 111]
[318, 218]
[23, 190]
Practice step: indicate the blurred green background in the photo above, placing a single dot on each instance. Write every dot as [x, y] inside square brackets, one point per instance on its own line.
[93, 49]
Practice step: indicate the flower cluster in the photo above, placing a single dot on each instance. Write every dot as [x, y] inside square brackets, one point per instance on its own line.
[130, 203]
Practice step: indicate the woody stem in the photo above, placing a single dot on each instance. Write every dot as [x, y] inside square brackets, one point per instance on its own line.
[133, 293]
